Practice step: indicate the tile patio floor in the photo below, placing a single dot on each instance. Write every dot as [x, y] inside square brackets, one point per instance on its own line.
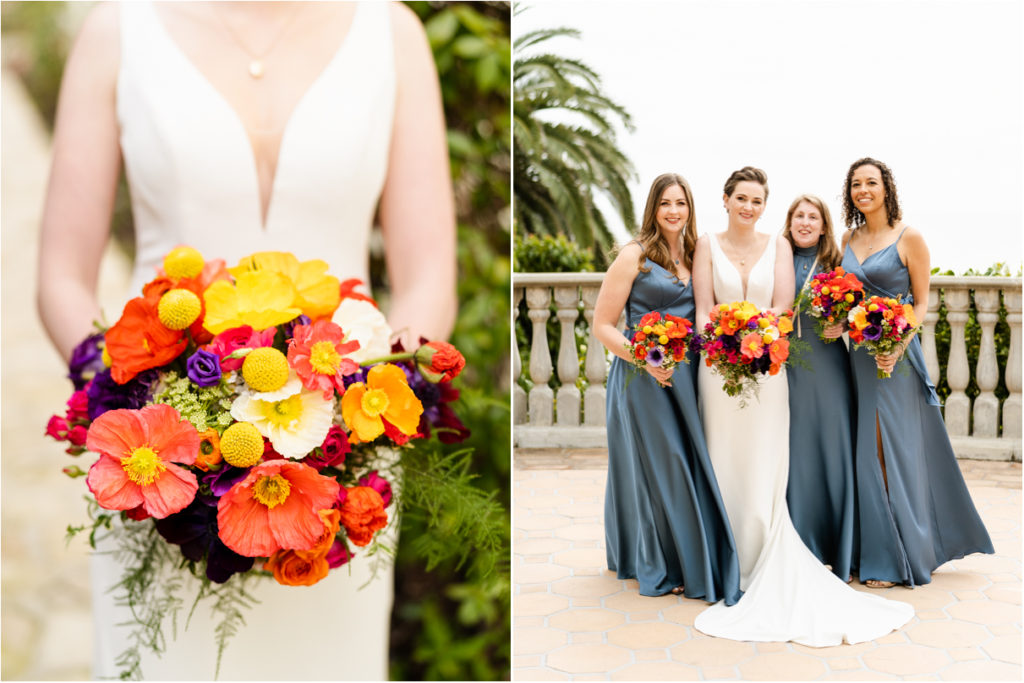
[573, 620]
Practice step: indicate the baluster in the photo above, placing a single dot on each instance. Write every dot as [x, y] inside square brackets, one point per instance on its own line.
[567, 304]
[541, 397]
[519, 415]
[595, 367]
[1012, 405]
[986, 374]
[931, 357]
[958, 374]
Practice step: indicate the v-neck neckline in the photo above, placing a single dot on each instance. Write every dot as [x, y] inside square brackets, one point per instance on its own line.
[743, 285]
[675, 275]
[262, 219]
[876, 253]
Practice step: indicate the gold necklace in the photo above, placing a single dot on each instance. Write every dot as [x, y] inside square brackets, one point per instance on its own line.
[256, 60]
[743, 259]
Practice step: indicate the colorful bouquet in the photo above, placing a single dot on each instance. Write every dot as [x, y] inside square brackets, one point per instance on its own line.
[660, 342]
[251, 415]
[829, 298]
[881, 324]
[742, 342]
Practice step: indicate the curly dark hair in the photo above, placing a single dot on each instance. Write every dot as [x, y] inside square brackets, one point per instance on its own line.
[750, 173]
[852, 216]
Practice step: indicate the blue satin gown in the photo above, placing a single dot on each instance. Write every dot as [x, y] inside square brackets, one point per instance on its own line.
[927, 516]
[665, 523]
[820, 494]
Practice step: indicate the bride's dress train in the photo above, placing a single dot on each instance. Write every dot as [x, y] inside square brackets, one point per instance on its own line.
[788, 594]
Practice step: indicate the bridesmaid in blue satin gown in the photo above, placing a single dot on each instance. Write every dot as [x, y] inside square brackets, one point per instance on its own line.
[915, 511]
[665, 523]
[820, 494]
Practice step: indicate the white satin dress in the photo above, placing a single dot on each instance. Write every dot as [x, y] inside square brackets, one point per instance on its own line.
[788, 594]
[193, 180]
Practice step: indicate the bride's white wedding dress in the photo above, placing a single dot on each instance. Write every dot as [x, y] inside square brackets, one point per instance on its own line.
[788, 594]
[193, 181]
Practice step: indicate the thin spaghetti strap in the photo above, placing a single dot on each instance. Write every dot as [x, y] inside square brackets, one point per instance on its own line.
[898, 238]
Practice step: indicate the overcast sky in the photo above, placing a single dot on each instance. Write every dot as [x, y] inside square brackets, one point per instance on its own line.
[801, 88]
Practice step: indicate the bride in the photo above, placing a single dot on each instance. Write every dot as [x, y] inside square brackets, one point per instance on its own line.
[788, 594]
[248, 127]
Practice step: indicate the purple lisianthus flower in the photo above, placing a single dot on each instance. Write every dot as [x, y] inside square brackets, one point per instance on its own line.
[873, 332]
[204, 368]
[378, 484]
[195, 530]
[359, 376]
[288, 329]
[105, 394]
[752, 324]
[86, 361]
[655, 357]
[221, 481]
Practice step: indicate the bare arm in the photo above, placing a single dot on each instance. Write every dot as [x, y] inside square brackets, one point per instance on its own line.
[417, 208]
[83, 182]
[785, 278]
[703, 283]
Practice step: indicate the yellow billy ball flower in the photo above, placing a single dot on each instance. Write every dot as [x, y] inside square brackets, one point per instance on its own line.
[763, 322]
[178, 309]
[825, 290]
[265, 369]
[669, 324]
[183, 262]
[648, 329]
[663, 339]
[849, 298]
[241, 445]
[872, 307]
[107, 360]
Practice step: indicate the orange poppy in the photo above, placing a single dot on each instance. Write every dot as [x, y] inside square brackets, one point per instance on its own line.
[139, 341]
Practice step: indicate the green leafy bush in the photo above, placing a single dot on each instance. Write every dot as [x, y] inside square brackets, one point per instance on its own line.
[548, 254]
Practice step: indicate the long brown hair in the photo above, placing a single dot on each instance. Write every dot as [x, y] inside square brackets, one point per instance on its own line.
[852, 216]
[829, 255]
[649, 237]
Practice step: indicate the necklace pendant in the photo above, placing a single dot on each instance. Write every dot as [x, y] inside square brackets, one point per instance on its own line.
[256, 68]
[743, 262]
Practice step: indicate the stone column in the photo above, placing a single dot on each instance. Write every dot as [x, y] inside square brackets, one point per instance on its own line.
[567, 303]
[1012, 405]
[519, 414]
[986, 405]
[958, 374]
[595, 367]
[541, 397]
[931, 358]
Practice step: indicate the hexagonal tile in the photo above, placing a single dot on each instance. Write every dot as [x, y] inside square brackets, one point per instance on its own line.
[835, 650]
[985, 612]
[861, 675]
[586, 586]
[534, 641]
[580, 620]
[542, 501]
[578, 659]
[642, 636]
[539, 573]
[843, 663]
[657, 671]
[988, 564]
[542, 522]
[581, 532]
[1004, 648]
[904, 660]
[925, 597]
[630, 601]
[685, 612]
[782, 666]
[946, 634]
[537, 604]
[538, 675]
[540, 546]
[582, 510]
[975, 671]
[965, 654]
[584, 638]
[590, 557]
[957, 580]
[702, 650]
[1004, 593]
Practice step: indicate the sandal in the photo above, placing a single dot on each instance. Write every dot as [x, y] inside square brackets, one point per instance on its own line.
[876, 583]
[678, 590]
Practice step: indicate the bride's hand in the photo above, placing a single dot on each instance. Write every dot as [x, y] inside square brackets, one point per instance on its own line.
[834, 331]
[662, 376]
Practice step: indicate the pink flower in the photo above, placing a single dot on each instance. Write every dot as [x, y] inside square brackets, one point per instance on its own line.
[334, 450]
[57, 428]
[378, 484]
[318, 354]
[339, 554]
[229, 341]
[78, 406]
[77, 435]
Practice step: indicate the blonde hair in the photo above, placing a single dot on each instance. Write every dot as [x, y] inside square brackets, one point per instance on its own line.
[829, 255]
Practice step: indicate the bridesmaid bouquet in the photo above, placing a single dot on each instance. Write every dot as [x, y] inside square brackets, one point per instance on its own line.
[660, 342]
[741, 343]
[828, 297]
[250, 417]
[881, 324]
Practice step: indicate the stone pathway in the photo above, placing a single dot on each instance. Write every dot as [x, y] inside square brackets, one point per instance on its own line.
[47, 627]
[573, 620]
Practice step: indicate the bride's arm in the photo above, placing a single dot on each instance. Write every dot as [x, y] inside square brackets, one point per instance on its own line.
[785, 279]
[703, 282]
[83, 182]
[417, 210]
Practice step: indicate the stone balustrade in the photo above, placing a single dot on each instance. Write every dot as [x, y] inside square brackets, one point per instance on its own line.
[570, 417]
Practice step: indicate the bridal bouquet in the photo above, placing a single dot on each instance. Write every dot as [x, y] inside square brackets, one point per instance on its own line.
[741, 343]
[881, 324]
[660, 342]
[250, 417]
[828, 297]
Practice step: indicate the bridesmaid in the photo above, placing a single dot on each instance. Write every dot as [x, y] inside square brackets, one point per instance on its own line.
[820, 494]
[915, 512]
[665, 523]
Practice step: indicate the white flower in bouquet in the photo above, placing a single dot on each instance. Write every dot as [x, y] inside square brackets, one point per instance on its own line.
[363, 322]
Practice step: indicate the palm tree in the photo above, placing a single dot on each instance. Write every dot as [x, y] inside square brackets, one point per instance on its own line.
[564, 149]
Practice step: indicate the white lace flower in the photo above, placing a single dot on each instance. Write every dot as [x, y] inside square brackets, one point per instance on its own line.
[363, 322]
